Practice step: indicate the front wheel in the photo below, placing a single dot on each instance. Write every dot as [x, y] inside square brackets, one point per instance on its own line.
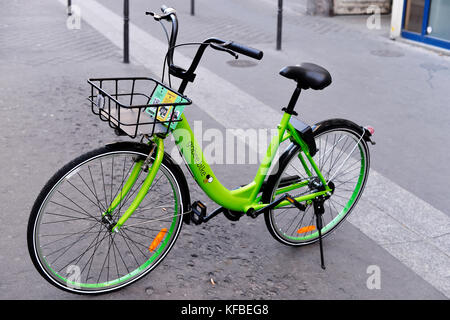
[343, 159]
[72, 245]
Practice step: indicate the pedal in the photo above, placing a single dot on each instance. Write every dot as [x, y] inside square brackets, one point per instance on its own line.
[297, 204]
[198, 212]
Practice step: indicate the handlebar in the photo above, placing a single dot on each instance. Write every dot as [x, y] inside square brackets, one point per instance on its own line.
[232, 47]
[170, 15]
[247, 51]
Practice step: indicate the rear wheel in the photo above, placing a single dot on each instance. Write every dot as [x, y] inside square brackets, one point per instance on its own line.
[70, 242]
[343, 159]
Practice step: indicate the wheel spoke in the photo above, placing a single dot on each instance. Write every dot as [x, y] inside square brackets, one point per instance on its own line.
[72, 231]
[338, 162]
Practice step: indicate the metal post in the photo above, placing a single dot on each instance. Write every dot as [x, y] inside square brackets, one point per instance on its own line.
[279, 23]
[192, 7]
[126, 31]
[69, 7]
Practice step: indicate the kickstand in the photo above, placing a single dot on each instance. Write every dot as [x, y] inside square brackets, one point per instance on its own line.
[319, 211]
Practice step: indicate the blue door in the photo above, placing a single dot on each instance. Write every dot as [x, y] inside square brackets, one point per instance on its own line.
[427, 21]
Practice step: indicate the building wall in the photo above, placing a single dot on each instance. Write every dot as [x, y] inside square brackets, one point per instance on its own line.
[320, 7]
[337, 7]
[360, 6]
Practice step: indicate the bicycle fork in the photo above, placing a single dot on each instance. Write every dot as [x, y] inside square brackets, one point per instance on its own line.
[158, 144]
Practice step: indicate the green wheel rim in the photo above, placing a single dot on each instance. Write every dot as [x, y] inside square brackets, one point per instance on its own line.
[346, 207]
[135, 272]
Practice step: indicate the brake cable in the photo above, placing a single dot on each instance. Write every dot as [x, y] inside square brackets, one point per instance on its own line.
[212, 45]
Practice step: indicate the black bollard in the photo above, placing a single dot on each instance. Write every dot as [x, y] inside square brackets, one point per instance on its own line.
[126, 31]
[279, 23]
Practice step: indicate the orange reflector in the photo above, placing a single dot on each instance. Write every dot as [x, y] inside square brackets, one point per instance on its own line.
[306, 229]
[158, 239]
[290, 200]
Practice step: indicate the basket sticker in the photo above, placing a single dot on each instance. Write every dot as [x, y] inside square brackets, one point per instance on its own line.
[100, 102]
[163, 95]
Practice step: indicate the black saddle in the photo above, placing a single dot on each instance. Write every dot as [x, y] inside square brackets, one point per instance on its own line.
[308, 75]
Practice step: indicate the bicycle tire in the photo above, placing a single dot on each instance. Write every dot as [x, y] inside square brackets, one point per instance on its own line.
[122, 246]
[301, 231]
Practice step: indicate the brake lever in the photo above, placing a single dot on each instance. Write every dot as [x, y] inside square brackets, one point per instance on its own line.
[221, 48]
[155, 16]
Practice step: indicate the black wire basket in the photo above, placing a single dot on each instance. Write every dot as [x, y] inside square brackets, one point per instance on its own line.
[136, 106]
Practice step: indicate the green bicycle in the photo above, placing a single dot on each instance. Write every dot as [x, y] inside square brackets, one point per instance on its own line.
[110, 216]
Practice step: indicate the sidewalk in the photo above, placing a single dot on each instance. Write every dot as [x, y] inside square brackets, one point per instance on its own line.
[43, 91]
[399, 89]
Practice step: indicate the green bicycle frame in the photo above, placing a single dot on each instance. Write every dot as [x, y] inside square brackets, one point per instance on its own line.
[242, 199]
[131, 181]
[246, 197]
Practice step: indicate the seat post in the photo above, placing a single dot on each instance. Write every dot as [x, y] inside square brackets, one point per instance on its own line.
[293, 101]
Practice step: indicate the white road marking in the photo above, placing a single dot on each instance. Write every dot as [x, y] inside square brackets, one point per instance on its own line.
[407, 227]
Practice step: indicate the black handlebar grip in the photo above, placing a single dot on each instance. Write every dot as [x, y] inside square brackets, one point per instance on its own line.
[250, 52]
